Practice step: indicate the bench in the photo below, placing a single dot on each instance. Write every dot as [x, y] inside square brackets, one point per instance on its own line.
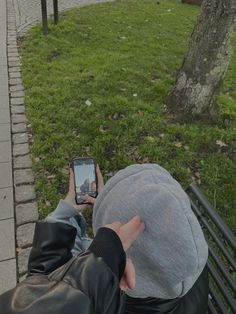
[222, 248]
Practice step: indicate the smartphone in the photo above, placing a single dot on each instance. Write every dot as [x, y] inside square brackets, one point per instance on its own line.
[85, 177]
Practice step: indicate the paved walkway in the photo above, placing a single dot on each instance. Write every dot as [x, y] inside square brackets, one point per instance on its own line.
[7, 223]
[18, 207]
[28, 12]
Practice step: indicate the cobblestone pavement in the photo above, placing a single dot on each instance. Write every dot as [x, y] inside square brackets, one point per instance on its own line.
[28, 12]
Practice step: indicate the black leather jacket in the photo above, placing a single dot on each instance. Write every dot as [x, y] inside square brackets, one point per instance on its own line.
[88, 283]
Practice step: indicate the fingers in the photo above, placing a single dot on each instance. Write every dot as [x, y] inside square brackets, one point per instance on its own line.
[72, 181]
[88, 199]
[128, 279]
[100, 179]
[115, 226]
[135, 226]
[131, 231]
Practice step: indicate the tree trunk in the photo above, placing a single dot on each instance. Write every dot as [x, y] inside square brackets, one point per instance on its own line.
[206, 62]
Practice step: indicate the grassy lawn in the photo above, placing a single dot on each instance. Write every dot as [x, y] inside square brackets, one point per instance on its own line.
[96, 85]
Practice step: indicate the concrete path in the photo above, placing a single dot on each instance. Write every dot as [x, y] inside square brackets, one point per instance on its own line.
[28, 12]
[7, 222]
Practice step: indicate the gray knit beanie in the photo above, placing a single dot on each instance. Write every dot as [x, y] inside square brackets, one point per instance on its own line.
[172, 252]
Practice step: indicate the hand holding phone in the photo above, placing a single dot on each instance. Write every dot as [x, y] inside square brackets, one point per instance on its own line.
[85, 179]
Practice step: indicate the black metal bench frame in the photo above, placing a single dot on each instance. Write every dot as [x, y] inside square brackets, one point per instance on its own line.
[44, 14]
[222, 248]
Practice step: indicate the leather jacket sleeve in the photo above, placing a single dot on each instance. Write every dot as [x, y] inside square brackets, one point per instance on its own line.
[52, 245]
[85, 284]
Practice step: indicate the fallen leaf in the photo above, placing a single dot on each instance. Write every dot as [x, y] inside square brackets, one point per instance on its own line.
[88, 102]
[52, 176]
[64, 170]
[115, 115]
[47, 203]
[150, 139]
[221, 143]
[178, 144]
[101, 129]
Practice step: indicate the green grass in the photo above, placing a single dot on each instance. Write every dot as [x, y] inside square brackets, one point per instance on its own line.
[123, 57]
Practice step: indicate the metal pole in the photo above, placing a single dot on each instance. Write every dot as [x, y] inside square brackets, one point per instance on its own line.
[55, 8]
[44, 16]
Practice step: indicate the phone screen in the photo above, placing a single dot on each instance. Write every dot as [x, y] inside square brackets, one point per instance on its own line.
[85, 178]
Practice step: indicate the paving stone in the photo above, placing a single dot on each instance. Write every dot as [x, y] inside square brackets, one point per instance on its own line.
[18, 128]
[25, 234]
[24, 193]
[6, 203]
[22, 278]
[3, 70]
[11, 33]
[17, 94]
[18, 118]
[22, 162]
[23, 257]
[23, 176]
[3, 79]
[20, 149]
[14, 69]
[13, 54]
[15, 81]
[4, 116]
[4, 102]
[12, 50]
[11, 42]
[20, 138]
[5, 132]
[6, 175]
[4, 90]
[16, 88]
[7, 275]
[7, 239]
[17, 101]
[12, 59]
[17, 109]
[3, 61]
[15, 74]
[14, 64]
[26, 213]
[5, 151]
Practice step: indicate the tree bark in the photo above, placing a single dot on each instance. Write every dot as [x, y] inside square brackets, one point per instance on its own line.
[206, 62]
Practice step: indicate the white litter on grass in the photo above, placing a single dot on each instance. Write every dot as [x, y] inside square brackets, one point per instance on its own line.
[135, 95]
[88, 102]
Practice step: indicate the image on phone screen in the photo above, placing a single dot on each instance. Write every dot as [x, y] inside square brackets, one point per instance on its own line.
[85, 178]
